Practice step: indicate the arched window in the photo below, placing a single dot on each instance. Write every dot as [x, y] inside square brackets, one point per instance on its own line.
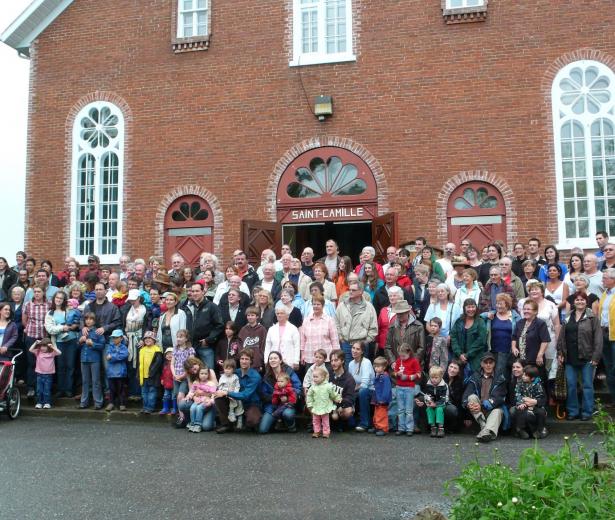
[97, 181]
[583, 97]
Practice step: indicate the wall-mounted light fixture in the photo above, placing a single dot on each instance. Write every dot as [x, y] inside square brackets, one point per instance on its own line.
[323, 107]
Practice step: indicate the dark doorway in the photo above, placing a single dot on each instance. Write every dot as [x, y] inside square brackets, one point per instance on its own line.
[350, 236]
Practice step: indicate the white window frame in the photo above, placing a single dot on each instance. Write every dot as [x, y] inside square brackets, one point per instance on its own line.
[464, 5]
[562, 114]
[79, 149]
[313, 58]
[180, 20]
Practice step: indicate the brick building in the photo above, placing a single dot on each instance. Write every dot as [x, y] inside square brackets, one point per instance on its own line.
[190, 124]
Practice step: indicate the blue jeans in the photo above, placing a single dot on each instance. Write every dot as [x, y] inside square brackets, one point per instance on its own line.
[268, 420]
[209, 419]
[608, 356]
[149, 393]
[90, 375]
[207, 356]
[133, 380]
[197, 413]
[405, 408]
[364, 398]
[43, 388]
[501, 363]
[66, 365]
[587, 384]
[346, 348]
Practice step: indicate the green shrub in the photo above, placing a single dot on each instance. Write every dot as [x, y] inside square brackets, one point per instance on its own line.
[550, 486]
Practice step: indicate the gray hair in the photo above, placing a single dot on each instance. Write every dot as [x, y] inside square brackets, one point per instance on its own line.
[284, 309]
[583, 277]
[395, 290]
[358, 283]
[610, 273]
[370, 250]
[445, 287]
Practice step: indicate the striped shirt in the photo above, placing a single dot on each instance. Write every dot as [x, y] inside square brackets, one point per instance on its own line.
[36, 313]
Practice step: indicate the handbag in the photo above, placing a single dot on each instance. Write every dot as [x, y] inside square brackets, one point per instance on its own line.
[560, 390]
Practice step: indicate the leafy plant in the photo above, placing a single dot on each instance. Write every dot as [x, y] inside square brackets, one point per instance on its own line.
[545, 485]
[606, 426]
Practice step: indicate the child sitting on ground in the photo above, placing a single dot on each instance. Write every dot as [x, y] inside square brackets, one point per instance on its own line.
[529, 410]
[116, 354]
[321, 400]
[284, 396]
[436, 397]
[201, 395]
[45, 352]
[166, 380]
[229, 382]
[381, 397]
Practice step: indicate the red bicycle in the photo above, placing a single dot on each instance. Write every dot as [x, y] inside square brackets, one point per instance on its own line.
[10, 398]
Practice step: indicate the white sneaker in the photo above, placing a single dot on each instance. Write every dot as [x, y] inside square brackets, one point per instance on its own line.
[47, 406]
[38, 406]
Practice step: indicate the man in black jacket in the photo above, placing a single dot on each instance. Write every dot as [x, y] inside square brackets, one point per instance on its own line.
[381, 298]
[205, 325]
[485, 398]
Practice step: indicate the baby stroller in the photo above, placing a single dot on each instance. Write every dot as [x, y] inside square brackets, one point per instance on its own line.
[10, 399]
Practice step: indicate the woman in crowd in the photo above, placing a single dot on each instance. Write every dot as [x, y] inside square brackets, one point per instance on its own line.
[581, 284]
[287, 302]
[266, 310]
[9, 334]
[273, 368]
[341, 277]
[317, 332]
[454, 413]
[552, 256]
[387, 316]
[48, 266]
[361, 369]
[529, 268]
[474, 259]
[17, 296]
[531, 338]
[209, 261]
[555, 288]
[442, 308]
[579, 346]
[136, 321]
[516, 373]
[64, 332]
[454, 279]
[469, 337]
[501, 327]
[316, 289]
[188, 277]
[320, 275]
[469, 289]
[154, 265]
[33, 317]
[371, 281]
[171, 321]
[575, 267]
[547, 312]
[193, 366]
[207, 278]
[283, 337]
[428, 257]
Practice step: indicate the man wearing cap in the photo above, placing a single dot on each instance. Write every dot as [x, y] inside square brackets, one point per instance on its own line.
[93, 267]
[356, 320]
[405, 329]
[485, 398]
[204, 322]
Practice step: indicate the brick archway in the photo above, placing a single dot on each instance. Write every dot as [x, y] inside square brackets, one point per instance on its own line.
[180, 191]
[319, 142]
[461, 178]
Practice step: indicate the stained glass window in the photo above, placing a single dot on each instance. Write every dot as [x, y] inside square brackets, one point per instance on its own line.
[326, 177]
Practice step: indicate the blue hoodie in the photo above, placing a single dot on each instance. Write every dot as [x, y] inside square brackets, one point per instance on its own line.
[116, 366]
[93, 354]
[248, 388]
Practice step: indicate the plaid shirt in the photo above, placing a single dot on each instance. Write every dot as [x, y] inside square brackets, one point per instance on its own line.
[318, 333]
[36, 313]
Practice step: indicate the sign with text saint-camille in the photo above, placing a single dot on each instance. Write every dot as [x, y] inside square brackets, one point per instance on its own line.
[326, 214]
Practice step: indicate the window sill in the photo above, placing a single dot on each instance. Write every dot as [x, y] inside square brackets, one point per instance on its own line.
[195, 43]
[464, 14]
[318, 59]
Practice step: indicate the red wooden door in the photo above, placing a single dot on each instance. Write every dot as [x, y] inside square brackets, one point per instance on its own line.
[257, 235]
[476, 212]
[384, 234]
[188, 229]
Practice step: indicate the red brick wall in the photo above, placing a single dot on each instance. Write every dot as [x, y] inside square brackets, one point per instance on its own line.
[426, 100]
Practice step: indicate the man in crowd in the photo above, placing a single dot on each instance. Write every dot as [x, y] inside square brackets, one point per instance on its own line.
[204, 323]
[332, 258]
[590, 264]
[307, 262]
[446, 262]
[41, 279]
[246, 272]
[602, 239]
[381, 297]
[299, 278]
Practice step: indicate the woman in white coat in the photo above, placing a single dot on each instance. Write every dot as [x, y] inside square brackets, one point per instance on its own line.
[283, 337]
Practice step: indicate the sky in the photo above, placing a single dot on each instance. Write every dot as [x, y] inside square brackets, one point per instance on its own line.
[14, 113]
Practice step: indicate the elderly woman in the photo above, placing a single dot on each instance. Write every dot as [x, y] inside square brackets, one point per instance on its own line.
[320, 275]
[579, 347]
[469, 336]
[442, 308]
[283, 337]
[273, 368]
[387, 316]
[287, 302]
[136, 321]
[454, 280]
[317, 332]
[316, 289]
[501, 325]
[496, 285]
[548, 312]
[17, 296]
[469, 289]
[264, 305]
[210, 261]
[581, 284]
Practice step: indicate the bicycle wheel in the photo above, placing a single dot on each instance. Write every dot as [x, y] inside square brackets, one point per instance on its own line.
[13, 402]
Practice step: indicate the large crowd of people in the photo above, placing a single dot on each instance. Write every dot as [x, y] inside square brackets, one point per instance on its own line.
[476, 338]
